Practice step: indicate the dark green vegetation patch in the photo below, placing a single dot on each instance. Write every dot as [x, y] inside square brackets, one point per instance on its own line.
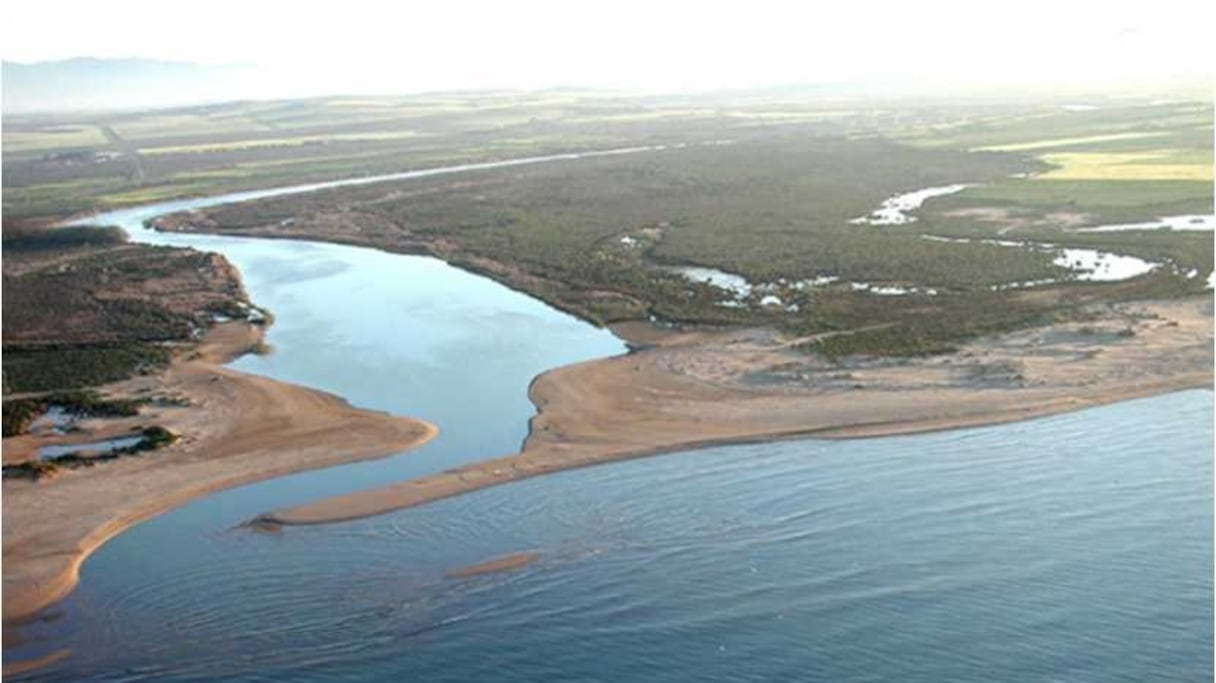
[599, 237]
[83, 307]
[19, 413]
[762, 185]
[151, 439]
[53, 369]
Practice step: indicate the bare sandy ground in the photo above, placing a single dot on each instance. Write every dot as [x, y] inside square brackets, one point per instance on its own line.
[702, 389]
[237, 429]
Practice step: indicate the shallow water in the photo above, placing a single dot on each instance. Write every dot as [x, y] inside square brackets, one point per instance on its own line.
[1187, 222]
[405, 334]
[55, 420]
[1102, 266]
[734, 283]
[896, 210]
[1076, 547]
[99, 447]
[1085, 264]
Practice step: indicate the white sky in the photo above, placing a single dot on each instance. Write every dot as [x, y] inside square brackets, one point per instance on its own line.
[633, 44]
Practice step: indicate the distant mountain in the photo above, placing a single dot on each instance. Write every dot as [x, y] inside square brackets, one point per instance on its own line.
[88, 83]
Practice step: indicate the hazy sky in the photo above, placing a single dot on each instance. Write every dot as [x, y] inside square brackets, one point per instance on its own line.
[632, 44]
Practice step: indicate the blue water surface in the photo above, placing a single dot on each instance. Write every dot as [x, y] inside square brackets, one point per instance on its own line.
[1071, 548]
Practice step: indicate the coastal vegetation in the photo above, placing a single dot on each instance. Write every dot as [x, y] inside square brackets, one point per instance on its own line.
[604, 237]
[771, 205]
[83, 307]
[762, 187]
[77, 162]
[19, 413]
[150, 439]
[70, 367]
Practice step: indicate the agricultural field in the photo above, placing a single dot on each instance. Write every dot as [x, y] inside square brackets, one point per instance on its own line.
[50, 138]
[1117, 162]
[63, 166]
[75, 163]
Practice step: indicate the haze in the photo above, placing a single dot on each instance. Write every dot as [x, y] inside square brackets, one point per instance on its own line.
[359, 46]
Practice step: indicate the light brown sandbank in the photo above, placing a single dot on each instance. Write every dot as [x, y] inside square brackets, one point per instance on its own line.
[237, 429]
[702, 389]
[505, 563]
[26, 665]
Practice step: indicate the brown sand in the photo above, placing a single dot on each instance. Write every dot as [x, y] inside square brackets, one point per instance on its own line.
[702, 389]
[505, 563]
[238, 429]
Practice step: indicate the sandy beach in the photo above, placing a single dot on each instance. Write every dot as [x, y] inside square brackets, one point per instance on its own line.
[709, 388]
[236, 429]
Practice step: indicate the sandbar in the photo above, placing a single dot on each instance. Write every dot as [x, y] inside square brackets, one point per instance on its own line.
[701, 389]
[237, 429]
[505, 563]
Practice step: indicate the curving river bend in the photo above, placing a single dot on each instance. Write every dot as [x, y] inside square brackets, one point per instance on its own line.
[1076, 547]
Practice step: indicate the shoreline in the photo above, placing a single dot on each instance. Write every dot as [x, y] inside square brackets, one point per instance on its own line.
[592, 413]
[516, 467]
[669, 398]
[51, 527]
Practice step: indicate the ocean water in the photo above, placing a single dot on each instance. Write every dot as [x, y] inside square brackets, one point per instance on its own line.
[1070, 548]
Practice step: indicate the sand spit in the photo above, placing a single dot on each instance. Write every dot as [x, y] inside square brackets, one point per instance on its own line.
[237, 429]
[505, 563]
[702, 389]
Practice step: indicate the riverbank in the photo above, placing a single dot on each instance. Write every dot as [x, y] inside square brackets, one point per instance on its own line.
[235, 429]
[708, 388]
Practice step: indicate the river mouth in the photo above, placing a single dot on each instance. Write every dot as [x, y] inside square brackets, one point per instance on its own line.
[1041, 548]
[724, 563]
[404, 334]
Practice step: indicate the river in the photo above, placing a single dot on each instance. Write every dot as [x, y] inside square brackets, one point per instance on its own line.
[1076, 547]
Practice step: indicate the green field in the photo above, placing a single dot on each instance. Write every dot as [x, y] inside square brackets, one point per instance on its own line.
[1113, 198]
[50, 138]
